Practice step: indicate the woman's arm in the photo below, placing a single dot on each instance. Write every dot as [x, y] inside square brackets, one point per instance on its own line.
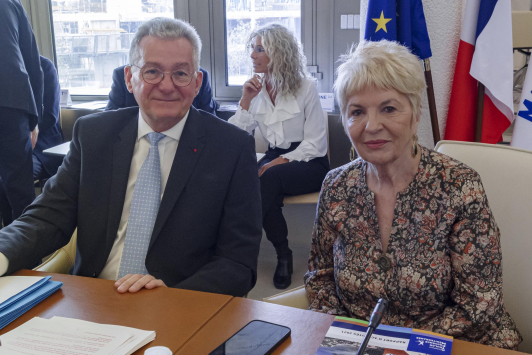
[319, 279]
[314, 142]
[243, 118]
[474, 242]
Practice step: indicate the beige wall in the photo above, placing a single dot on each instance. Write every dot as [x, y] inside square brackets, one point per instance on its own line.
[521, 5]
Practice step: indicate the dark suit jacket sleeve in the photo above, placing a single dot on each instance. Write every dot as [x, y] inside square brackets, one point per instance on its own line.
[117, 95]
[233, 269]
[20, 75]
[204, 101]
[48, 223]
[51, 97]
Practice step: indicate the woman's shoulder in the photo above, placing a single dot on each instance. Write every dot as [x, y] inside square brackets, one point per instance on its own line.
[308, 84]
[448, 169]
[351, 172]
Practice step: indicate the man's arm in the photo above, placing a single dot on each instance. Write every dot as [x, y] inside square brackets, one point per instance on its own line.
[51, 97]
[233, 268]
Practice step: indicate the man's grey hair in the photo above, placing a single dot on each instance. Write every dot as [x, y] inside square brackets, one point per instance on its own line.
[168, 29]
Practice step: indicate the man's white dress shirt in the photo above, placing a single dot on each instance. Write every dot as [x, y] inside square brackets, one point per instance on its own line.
[292, 119]
[167, 149]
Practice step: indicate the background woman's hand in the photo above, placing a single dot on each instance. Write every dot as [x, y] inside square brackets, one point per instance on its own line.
[276, 161]
[251, 89]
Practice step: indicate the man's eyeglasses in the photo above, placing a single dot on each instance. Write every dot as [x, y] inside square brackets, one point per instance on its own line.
[154, 76]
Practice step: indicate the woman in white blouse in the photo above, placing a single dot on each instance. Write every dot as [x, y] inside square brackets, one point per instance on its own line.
[283, 103]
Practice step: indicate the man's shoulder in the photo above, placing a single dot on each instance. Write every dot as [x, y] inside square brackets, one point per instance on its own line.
[106, 120]
[118, 74]
[10, 10]
[11, 4]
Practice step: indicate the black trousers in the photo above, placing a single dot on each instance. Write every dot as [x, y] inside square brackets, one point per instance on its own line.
[16, 163]
[293, 178]
[39, 172]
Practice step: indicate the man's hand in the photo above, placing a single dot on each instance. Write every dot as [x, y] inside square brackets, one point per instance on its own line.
[276, 161]
[34, 135]
[135, 282]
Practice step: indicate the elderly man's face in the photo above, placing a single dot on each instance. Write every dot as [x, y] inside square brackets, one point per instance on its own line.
[164, 104]
[381, 125]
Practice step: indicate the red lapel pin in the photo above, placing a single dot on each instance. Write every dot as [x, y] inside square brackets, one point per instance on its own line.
[195, 150]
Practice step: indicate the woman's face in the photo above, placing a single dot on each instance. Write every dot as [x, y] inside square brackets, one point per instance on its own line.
[259, 57]
[381, 125]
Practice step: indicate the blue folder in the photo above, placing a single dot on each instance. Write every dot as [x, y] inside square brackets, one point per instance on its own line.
[19, 304]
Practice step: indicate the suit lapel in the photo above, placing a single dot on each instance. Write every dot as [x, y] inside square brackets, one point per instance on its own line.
[122, 154]
[187, 155]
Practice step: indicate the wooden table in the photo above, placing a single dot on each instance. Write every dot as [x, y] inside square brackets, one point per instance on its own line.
[308, 330]
[190, 322]
[175, 315]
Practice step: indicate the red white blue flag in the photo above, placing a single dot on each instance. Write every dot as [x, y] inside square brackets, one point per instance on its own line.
[485, 56]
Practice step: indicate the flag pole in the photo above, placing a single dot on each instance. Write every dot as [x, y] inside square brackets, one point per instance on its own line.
[480, 112]
[432, 102]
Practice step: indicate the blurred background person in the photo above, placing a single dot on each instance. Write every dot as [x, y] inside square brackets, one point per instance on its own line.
[120, 97]
[50, 135]
[403, 222]
[20, 105]
[282, 101]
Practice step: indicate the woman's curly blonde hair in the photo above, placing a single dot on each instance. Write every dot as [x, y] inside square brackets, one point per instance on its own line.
[288, 65]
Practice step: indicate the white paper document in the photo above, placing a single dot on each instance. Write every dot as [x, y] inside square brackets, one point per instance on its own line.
[13, 285]
[327, 101]
[65, 336]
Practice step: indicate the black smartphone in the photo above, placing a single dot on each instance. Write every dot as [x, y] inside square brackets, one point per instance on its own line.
[256, 338]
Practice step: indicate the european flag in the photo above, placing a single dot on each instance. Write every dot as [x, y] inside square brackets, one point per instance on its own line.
[399, 20]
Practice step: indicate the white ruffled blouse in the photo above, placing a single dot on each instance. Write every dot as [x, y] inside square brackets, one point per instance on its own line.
[292, 119]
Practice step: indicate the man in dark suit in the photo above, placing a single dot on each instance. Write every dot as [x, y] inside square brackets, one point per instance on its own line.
[120, 97]
[50, 135]
[21, 91]
[163, 188]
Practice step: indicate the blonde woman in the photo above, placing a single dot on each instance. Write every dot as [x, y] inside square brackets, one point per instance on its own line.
[404, 222]
[281, 100]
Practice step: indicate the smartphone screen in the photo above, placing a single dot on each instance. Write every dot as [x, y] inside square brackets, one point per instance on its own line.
[256, 338]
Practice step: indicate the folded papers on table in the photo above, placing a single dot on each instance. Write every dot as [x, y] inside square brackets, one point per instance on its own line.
[18, 294]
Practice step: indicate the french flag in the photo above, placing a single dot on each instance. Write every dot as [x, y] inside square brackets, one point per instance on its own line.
[484, 56]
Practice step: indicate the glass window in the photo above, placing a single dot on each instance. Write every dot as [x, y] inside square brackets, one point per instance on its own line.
[242, 16]
[92, 38]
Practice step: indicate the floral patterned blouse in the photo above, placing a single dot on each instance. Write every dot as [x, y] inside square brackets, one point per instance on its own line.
[442, 271]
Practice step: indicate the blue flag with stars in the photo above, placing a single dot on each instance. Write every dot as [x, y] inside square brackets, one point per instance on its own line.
[399, 20]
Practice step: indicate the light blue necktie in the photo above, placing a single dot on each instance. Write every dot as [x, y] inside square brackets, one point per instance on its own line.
[144, 209]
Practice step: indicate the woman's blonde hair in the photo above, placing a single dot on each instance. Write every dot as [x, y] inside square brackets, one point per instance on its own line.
[288, 65]
[381, 65]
